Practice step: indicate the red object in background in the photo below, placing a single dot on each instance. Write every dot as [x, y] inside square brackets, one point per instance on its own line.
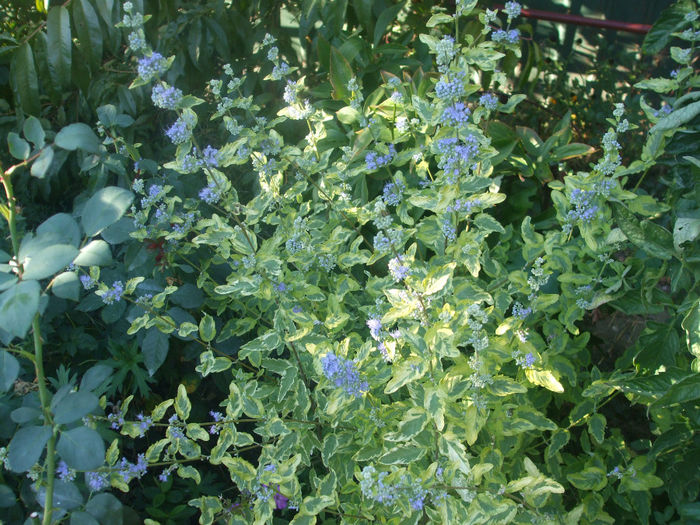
[583, 21]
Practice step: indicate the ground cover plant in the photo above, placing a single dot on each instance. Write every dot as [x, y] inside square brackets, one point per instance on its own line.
[299, 282]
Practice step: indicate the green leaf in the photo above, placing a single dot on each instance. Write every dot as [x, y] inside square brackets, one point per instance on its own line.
[439, 18]
[95, 253]
[677, 118]
[81, 448]
[437, 279]
[312, 505]
[77, 136]
[413, 422]
[58, 52]
[505, 386]
[18, 305]
[26, 447]
[659, 85]
[42, 163]
[385, 18]
[590, 478]
[687, 389]
[34, 132]
[207, 328]
[155, 346]
[87, 26]
[105, 208]
[691, 325]
[189, 472]
[106, 508]
[19, 148]
[596, 427]
[570, 151]
[648, 238]
[340, 74]
[82, 518]
[41, 260]
[60, 228]
[95, 377]
[660, 34]
[404, 372]
[404, 455]
[66, 286]
[66, 495]
[454, 450]
[25, 82]
[685, 230]
[544, 378]
[560, 438]
[74, 406]
[182, 403]
[239, 468]
[9, 370]
[485, 58]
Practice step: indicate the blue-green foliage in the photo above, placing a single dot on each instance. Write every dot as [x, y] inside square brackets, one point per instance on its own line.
[321, 270]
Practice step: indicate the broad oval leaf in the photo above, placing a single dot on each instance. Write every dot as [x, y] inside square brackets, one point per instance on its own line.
[45, 262]
[81, 448]
[77, 136]
[61, 228]
[75, 406]
[34, 132]
[105, 208]
[66, 286]
[9, 370]
[26, 447]
[18, 305]
[95, 253]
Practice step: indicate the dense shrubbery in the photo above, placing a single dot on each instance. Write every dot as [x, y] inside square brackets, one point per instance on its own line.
[279, 277]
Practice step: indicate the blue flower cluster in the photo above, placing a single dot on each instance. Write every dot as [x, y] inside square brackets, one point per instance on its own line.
[393, 192]
[129, 471]
[398, 270]
[151, 66]
[446, 51]
[64, 472]
[524, 361]
[155, 193]
[166, 97]
[384, 240]
[489, 101]
[374, 161]
[375, 327]
[512, 36]
[97, 481]
[343, 374]
[520, 311]
[145, 423]
[137, 42]
[466, 206]
[456, 115]
[87, 281]
[512, 9]
[210, 193]
[447, 89]
[113, 294]
[179, 132]
[375, 487]
[585, 209]
[327, 261]
[457, 156]
[448, 230]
